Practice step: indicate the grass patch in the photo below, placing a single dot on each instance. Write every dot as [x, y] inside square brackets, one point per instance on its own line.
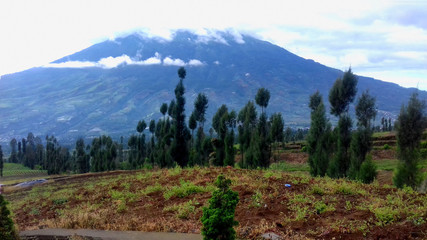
[152, 189]
[183, 210]
[185, 189]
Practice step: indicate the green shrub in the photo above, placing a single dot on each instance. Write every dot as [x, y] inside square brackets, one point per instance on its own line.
[320, 207]
[7, 230]
[304, 149]
[385, 215]
[386, 146]
[218, 218]
[368, 171]
[317, 190]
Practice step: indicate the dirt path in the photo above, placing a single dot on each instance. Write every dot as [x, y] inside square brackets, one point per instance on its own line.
[42, 234]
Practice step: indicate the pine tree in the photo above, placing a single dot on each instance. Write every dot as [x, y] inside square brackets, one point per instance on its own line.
[276, 131]
[7, 230]
[247, 125]
[179, 150]
[410, 126]
[341, 95]
[192, 124]
[361, 141]
[1, 162]
[13, 158]
[82, 160]
[229, 149]
[219, 123]
[262, 97]
[218, 218]
[318, 138]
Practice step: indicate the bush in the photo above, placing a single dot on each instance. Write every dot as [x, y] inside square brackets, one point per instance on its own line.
[218, 218]
[7, 230]
[386, 146]
[368, 171]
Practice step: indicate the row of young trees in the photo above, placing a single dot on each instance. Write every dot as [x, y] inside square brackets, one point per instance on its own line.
[31, 152]
[342, 152]
[173, 142]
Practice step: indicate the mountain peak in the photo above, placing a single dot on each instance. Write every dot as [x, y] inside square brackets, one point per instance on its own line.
[113, 84]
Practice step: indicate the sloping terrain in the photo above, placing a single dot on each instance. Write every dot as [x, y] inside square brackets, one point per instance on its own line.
[108, 87]
[172, 200]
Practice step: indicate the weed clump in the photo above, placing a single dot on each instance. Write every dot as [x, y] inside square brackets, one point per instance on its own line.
[218, 218]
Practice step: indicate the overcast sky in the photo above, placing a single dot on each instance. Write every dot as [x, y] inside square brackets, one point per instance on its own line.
[386, 40]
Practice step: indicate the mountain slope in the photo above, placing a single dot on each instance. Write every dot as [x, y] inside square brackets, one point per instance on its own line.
[117, 83]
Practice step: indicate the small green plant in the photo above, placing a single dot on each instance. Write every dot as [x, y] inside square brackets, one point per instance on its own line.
[218, 218]
[152, 189]
[317, 190]
[184, 210]
[386, 147]
[35, 211]
[7, 230]
[385, 215]
[60, 201]
[257, 200]
[175, 171]
[348, 205]
[320, 207]
[368, 171]
[185, 189]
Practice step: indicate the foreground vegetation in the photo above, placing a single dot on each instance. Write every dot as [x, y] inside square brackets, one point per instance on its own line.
[172, 200]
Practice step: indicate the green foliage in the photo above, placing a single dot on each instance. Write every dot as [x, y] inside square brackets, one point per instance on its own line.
[229, 149]
[341, 161]
[179, 149]
[82, 160]
[385, 215]
[342, 93]
[368, 171]
[218, 218]
[262, 97]
[200, 107]
[320, 207]
[1, 162]
[7, 230]
[164, 108]
[185, 189]
[361, 142]
[410, 126]
[183, 210]
[386, 147]
[318, 139]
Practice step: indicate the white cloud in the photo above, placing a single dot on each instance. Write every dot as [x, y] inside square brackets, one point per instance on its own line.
[109, 62]
[195, 62]
[112, 62]
[173, 62]
[217, 62]
[151, 61]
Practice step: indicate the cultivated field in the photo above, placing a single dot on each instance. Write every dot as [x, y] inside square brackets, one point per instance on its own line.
[172, 200]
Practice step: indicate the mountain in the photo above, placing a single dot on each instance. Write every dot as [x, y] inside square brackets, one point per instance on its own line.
[110, 86]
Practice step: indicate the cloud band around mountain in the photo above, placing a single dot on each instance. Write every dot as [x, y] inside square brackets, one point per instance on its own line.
[113, 62]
